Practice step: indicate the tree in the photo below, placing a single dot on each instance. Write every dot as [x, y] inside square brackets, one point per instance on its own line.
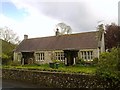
[8, 35]
[63, 28]
[7, 51]
[112, 36]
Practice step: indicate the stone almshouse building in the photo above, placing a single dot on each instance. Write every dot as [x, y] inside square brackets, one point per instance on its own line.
[66, 48]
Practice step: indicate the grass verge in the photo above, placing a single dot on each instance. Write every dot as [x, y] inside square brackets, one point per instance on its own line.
[61, 68]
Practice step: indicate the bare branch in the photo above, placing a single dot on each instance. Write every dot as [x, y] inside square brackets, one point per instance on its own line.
[8, 35]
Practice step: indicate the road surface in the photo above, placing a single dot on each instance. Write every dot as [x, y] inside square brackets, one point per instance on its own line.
[16, 84]
[9, 84]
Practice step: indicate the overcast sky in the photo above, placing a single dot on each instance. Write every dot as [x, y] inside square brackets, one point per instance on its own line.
[37, 18]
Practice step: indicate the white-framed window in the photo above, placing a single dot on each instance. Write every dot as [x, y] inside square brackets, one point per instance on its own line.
[40, 56]
[87, 55]
[59, 56]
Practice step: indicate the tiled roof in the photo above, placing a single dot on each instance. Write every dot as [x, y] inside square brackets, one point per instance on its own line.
[86, 40]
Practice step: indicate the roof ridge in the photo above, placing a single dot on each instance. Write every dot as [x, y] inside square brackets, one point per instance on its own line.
[62, 35]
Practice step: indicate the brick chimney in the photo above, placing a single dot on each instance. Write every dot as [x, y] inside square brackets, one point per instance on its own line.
[25, 37]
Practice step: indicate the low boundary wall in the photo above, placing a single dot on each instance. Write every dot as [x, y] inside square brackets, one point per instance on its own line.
[47, 79]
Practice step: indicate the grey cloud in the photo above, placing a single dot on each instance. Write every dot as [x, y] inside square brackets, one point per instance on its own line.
[76, 14]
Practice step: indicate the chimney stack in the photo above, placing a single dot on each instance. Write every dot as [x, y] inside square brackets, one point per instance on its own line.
[25, 37]
[57, 32]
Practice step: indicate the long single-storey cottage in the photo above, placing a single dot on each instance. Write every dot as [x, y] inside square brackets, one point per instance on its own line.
[66, 48]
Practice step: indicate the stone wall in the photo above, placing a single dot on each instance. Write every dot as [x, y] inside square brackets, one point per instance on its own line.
[56, 79]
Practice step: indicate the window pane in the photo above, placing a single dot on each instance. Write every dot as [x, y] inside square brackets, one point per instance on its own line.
[91, 54]
[59, 55]
[88, 55]
[85, 55]
[39, 56]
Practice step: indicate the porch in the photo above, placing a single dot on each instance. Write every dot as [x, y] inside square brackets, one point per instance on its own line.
[70, 56]
[27, 58]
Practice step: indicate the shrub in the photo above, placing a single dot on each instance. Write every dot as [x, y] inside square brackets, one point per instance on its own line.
[95, 61]
[77, 60]
[80, 61]
[118, 64]
[36, 64]
[107, 66]
[57, 61]
[15, 63]
[5, 59]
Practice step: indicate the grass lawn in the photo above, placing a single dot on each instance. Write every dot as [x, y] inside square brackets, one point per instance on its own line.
[79, 69]
[61, 68]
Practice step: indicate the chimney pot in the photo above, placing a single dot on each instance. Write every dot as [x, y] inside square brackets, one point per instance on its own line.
[57, 32]
[25, 36]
